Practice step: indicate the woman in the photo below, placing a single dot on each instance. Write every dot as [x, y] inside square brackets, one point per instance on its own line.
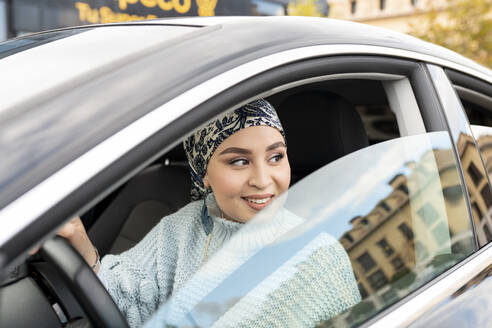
[238, 165]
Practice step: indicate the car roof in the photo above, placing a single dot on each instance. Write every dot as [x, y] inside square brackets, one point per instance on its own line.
[297, 31]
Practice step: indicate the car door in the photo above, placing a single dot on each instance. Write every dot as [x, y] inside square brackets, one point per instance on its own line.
[398, 206]
[467, 99]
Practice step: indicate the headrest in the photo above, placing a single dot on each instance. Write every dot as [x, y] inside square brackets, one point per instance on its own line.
[320, 128]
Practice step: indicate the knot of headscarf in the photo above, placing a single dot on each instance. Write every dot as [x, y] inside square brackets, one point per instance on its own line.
[201, 145]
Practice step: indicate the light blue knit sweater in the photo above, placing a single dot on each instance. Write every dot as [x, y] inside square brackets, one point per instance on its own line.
[313, 285]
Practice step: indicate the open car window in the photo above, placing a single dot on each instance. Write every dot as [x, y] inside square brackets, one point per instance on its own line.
[393, 214]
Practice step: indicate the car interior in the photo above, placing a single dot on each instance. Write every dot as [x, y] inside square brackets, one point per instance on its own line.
[331, 115]
[340, 120]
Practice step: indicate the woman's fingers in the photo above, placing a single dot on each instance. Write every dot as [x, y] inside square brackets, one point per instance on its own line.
[74, 231]
[34, 250]
[71, 229]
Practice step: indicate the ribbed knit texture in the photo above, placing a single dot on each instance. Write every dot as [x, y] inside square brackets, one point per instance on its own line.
[313, 285]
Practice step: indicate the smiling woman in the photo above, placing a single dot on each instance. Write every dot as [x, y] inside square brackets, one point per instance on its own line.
[247, 178]
[238, 166]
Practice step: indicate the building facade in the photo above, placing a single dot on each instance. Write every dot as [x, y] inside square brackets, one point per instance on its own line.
[398, 15]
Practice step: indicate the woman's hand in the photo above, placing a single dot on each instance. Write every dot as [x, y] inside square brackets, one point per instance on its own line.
[74, 231]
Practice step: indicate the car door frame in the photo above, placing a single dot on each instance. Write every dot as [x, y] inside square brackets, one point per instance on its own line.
[445, 290]
[149, 140]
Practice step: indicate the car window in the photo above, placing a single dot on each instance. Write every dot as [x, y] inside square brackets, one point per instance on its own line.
[372, 225]
[396, 209]
[478, 109]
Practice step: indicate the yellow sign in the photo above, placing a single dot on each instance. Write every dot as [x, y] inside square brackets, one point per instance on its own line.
[181, 6]
[206, 7]
[105, 15]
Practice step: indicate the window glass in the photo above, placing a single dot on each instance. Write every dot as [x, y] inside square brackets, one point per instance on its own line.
[346, 237]
[478, 108]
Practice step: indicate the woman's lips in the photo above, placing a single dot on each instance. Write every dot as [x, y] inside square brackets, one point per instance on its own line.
[258, 202]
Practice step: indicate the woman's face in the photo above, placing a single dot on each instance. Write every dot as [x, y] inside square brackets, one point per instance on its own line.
[247, 171]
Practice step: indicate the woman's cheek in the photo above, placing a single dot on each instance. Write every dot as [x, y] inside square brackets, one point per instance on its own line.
[231, 182]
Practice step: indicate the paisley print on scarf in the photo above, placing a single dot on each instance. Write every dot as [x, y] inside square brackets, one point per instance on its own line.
[200, 145]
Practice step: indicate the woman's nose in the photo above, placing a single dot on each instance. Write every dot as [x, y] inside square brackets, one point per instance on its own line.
[260, 176]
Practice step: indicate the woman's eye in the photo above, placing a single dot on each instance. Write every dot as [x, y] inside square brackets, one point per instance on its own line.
[239, 162]
[277, 158]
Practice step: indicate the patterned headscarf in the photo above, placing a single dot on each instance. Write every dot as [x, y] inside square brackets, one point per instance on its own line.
[201, 145]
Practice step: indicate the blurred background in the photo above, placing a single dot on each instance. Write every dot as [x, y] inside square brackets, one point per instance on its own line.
[464, 26]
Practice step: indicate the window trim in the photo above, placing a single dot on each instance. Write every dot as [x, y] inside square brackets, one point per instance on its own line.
[457, 123]
[477, 91]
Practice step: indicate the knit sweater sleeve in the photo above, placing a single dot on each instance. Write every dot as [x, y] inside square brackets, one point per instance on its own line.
[315, 285]
[130, 277]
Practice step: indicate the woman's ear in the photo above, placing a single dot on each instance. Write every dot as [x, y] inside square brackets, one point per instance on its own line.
[205, 181]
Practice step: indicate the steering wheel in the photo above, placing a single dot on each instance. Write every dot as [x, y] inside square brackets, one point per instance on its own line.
[83, 283]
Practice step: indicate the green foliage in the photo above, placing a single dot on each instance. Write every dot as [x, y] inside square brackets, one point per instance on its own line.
[466, 29]
[403, 279]
[303, 8]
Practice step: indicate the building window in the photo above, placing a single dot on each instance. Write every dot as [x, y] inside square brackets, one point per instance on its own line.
[413, 2]
[486, 195]
[353, 6]
[453, 193]
[387, 249]
[403, 187]
[441, 233]
[366, 261]
[397, 263]
[474, 173]
[428, 214]
[377, 280]
[385, 205]
[421, 252]
[406, 231]
[477, 209]
[382, 4]
[267, 8]
[362, 291]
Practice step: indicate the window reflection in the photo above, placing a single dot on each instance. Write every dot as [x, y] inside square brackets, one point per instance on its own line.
[411, 234]
[396, 207]
[481, 196]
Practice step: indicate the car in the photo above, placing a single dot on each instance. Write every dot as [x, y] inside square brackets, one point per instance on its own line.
[391, 157]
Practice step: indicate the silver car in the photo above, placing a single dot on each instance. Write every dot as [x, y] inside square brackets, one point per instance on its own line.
[390, 144]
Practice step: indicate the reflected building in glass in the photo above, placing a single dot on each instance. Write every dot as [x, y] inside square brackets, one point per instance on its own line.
[477, 182]
[417, 226]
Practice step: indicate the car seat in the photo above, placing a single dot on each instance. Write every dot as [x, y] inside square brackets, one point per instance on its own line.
[159, 190]
[320, 128]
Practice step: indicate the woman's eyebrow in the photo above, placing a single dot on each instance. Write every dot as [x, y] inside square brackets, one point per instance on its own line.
[243, 151]
[236, 150]
[276, 145]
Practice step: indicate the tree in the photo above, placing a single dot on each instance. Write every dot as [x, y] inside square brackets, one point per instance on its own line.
[464, 26]
[303, 8]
